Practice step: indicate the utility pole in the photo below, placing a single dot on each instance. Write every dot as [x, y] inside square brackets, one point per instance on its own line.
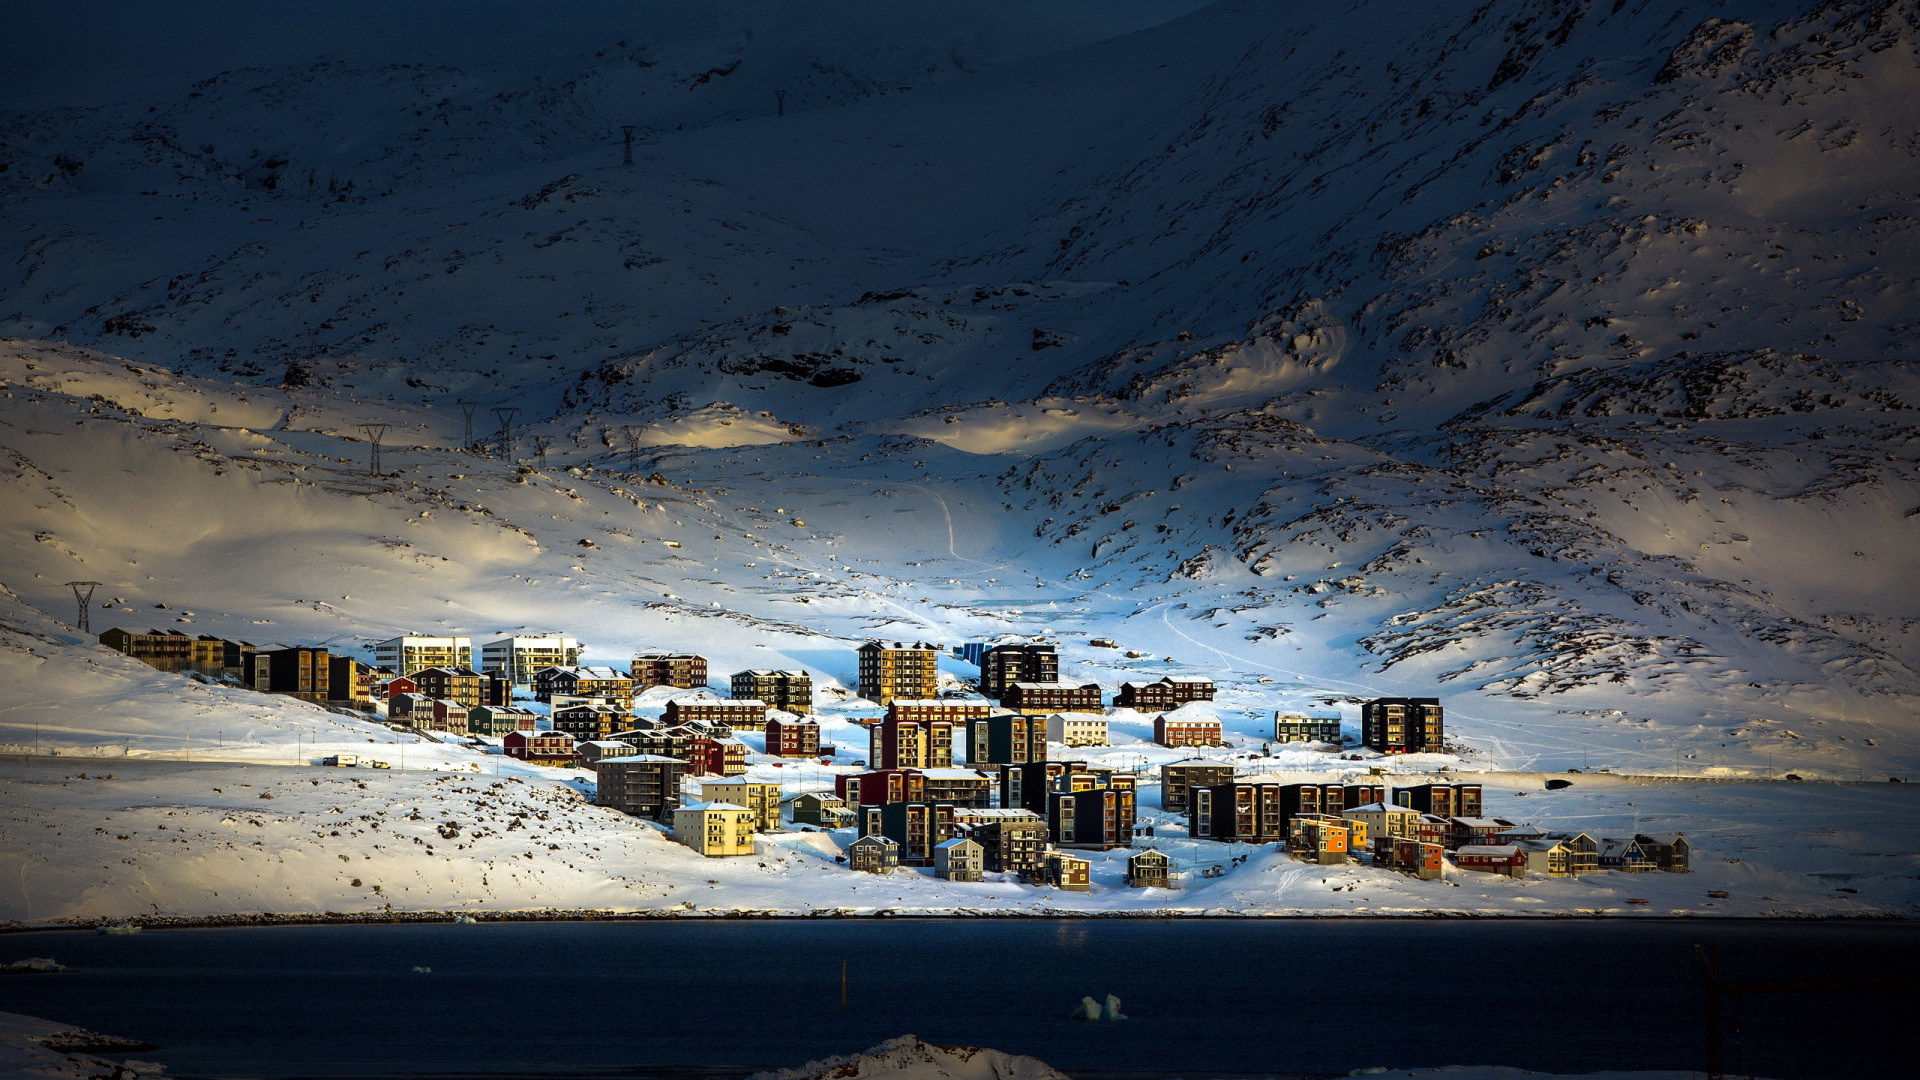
[375, 432]
[1718, 990]
[628, 130]
[466, 430]
[780, 102]
[505, 416]
[83, 595]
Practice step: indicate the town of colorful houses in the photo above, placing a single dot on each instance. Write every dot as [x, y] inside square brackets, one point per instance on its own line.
[966, 783]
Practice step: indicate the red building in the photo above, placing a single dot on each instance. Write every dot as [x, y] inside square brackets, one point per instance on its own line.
[1168, 731]
[881, 787]
[1164, 694]
[540, 747]
[793, 738]
[910, 744]
[399, 684]
[737, 713]
[1508, 859]
[1030, 697]
[716, 757]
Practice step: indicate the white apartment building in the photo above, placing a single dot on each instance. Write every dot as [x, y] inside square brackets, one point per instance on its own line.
[519, 657]
[1077, 729]
[406, 655]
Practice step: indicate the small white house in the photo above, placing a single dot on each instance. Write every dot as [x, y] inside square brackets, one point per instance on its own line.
[958, 859]
[1077, 729]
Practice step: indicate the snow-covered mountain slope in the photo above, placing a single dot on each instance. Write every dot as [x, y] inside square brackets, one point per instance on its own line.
[1550, 356]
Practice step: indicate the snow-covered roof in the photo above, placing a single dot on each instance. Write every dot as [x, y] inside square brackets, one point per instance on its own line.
[599, 673]
[1482, 823]
[1078, 717]
[954, 774]
[715, 805]
[1055, 686]
[953, 843]
[950, 703]
[1380, 808]
[876, 838]
[1212, 762]
[738, 780]
[639, 757]
[1494, 850]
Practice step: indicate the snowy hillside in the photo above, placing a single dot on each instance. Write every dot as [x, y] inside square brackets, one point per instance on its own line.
[1551, 357]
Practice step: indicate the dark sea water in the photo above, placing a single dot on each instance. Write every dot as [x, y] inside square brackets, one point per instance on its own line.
[1220, 998]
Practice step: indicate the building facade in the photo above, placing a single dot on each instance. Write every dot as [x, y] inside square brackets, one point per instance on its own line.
[1007, 739]
[1293, 727]
[539, 747]
[747, 715]
[460, 684]
[1403, 725]
[1177, 778]
[1187, 731]
[1015, 841]
[958, 859]
[890, 670]
[303, 673]
[715, 829]
[788, 691]
[1077, 729]
[1149, 869]
[875, 853]
[758, 796]
[793, 738]
[1164, 694]
[1046, 697]
[1441, 800]
[688, 671]
[517, 658]
[1003, 665]
[642, 785]
[409, 653]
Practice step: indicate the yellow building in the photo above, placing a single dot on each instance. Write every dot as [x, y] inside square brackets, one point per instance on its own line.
[715, 829]
[761, 798]
[1385, 819]
[898, 670]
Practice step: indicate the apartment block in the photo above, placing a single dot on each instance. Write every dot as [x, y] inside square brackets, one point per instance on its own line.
[1164, 694]
[1003, 665]
[793, 738]
[1044, 697]
[517, 658]
[1187, 731]
[1177, 778]
[740, 715]
[1077, 729]
[1441, 800]
[1403, 725]
[643, 785]
[898, 670]
[715, 829]
[298, 672]
[1014, 840]
[1295, 727]
[758, 796]
[408, 654]
[688, 671]
[461, 684]
[788, 691]
[1007, 739]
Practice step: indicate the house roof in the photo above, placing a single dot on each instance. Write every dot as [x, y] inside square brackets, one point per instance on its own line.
[715, 805]
[876, 838]
[1055, 686]
[954, 774]
[1524, 832]
[599, 673]
[641, 757]
[953, 843]
[738, 780]
[1493, 850]
[1198, 761]
[1482, 822]
[1379, 808]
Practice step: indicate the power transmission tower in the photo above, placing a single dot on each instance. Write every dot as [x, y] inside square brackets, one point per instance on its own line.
[375, 432]
[633, 449]
[540, 444]
[466, 431]
[505, 416]
[780, 102]
[628, 129]
[83, 592]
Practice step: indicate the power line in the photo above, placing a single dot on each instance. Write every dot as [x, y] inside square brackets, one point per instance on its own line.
[83, 594]
[505, 415]
[466, 431]
[375, 432]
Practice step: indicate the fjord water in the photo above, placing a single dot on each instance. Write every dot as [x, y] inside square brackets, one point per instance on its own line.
[1222, 997]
